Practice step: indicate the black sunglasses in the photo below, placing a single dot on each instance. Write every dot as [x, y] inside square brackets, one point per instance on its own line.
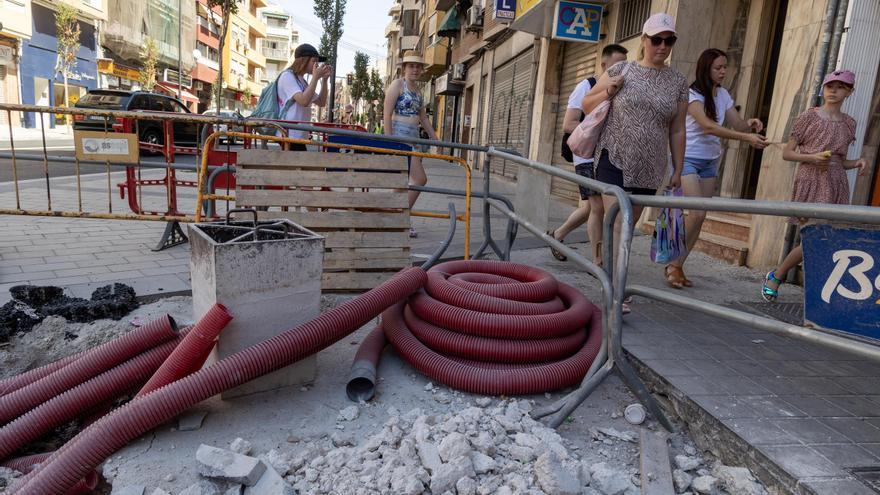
[657, 40]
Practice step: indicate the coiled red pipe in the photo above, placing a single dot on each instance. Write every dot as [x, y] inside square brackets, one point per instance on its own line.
[14, 383]
[80, 399]
[92, 363]
[489, 327]
[28, 463]
[85, 451]
[193, 350]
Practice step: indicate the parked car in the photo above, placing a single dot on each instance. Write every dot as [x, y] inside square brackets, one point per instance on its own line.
[149, 131]
[226, 114]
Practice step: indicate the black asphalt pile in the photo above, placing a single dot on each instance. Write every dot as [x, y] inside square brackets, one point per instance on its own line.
[31, 303]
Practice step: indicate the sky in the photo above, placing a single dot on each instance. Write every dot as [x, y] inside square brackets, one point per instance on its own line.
[363, 30]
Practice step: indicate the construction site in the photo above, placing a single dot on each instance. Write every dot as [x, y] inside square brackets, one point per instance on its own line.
[288, 334]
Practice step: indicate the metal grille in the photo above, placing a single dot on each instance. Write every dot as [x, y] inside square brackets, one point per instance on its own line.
[631, 18]
[512, 94]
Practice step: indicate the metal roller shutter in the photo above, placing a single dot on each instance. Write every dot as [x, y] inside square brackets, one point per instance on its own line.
[510, 111]
[579, 63]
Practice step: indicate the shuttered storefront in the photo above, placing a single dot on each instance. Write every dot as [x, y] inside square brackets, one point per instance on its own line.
[510, 110]
[579, 63]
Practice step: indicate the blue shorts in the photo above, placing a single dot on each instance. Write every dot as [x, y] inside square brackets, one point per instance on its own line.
[399, 128]
[707, 168]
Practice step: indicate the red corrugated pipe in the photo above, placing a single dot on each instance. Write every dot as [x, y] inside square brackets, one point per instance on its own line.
[490, 327]
[28, 463]
[362, 379]
[192, 352]
[71, 404]
[14, 383]
[88, 449]
[89, 365]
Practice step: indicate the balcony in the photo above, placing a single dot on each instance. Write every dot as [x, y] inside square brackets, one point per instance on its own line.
[435, 58]
[255, 57]
[410, 5]
[391, 28]
[255, 26]
[408, 43]
[282, 54]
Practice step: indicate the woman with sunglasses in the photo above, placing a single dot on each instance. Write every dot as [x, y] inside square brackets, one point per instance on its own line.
[646, 120]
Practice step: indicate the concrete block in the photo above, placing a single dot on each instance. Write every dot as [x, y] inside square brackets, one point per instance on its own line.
[269, 287]
[271, 483]
[229, 466]
[191, 420]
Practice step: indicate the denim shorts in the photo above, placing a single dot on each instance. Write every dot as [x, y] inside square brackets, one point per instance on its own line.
[707, 168]
[399, 128]
[585, 170]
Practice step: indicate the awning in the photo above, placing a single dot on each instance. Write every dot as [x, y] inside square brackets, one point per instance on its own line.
[449, 25]
[171, 90]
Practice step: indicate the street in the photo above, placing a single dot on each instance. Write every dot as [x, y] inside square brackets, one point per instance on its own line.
[34, 168]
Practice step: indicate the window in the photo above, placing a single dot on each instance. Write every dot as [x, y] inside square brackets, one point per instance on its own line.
[207, 52]
[631, 17]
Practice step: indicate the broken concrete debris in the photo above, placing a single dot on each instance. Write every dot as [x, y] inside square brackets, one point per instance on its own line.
[229, 466]
[30, 304]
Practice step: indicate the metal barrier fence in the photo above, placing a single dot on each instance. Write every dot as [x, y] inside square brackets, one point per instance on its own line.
[612, 276]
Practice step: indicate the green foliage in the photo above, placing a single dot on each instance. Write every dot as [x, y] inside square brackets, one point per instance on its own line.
[67, 33]
[149, 54]
[360, 84]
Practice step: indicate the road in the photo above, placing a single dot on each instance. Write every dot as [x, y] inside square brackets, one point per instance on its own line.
[31, 169]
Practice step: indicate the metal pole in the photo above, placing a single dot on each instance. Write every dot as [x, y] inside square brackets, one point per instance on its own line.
[180, 51]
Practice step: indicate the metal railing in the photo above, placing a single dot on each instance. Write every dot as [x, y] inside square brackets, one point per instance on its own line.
[612, 275]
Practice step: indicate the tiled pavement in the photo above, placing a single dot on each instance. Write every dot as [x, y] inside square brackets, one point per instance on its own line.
[82, 254]
[811, 411]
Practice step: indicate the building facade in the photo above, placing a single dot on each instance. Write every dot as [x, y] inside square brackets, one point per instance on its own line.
[41, 83]
[243, 59]
[204, 75]
[505, 82]
[17, 28]
[278, 45]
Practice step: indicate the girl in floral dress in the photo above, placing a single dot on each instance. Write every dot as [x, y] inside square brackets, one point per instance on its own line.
[819, 141]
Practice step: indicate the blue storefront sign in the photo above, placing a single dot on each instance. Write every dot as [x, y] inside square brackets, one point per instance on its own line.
[505, 10]
[842, 278]
[577, 21]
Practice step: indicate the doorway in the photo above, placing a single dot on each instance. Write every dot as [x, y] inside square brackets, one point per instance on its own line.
[750, 185]
[42, 97]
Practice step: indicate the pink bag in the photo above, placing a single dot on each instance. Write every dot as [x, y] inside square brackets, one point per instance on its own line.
[585, 136]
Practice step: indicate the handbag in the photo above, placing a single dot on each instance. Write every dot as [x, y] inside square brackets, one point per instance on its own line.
[668, 243]
[585, 136]
[565, 151]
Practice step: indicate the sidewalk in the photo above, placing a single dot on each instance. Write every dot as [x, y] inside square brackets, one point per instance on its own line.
[31, 139]
[83, 254]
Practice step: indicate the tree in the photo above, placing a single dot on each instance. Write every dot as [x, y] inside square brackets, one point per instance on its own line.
[67, 33]
[149, 54]
[331, 13]
[228, 8]
[360, 82]
[376, 97]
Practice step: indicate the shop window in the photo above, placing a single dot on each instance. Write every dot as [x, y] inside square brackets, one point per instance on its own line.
[631, 16]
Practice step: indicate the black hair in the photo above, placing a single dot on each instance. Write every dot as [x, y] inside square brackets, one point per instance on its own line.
[613, 48]
[703, 83]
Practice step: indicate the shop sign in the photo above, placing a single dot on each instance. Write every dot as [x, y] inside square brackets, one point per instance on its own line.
[7, 54]
[577, 21]
[842, 278]
[523, 6]
[505, 10]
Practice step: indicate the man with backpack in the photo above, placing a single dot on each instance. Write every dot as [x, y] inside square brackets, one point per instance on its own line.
[590, 209]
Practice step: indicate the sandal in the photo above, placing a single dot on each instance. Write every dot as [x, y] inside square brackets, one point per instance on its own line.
[556, 254]
[685, 281]
[674, 276]
[767, 293]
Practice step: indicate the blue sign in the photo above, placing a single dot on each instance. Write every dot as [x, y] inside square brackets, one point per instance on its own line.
[577, 21]
[505, 10]
[842, 285]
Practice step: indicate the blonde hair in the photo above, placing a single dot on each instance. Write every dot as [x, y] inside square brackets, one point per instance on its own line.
[640, 54]
[299, 65]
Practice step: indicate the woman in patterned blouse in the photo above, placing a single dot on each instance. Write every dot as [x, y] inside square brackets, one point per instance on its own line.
[646, 121]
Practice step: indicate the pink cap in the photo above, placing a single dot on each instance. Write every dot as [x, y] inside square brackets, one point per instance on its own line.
[659, 23]
[844, 76]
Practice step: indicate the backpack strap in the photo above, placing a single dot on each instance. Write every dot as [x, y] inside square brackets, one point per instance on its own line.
[592, 81]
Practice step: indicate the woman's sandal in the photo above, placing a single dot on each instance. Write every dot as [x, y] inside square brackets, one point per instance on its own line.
[767, 293]
[674, 277]
[556, 254]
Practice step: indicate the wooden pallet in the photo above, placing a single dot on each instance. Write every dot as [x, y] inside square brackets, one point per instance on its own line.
[358, 202]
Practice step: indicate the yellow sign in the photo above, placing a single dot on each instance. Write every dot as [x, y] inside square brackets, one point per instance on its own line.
[108, 67]
[111, 146]
[523, 6]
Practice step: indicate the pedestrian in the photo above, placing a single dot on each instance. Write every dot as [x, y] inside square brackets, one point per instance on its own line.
[304, 92]
[590, 207]
[819, 140]
[705, 126]
[405, 112]
[646, 120]
[348, 115]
